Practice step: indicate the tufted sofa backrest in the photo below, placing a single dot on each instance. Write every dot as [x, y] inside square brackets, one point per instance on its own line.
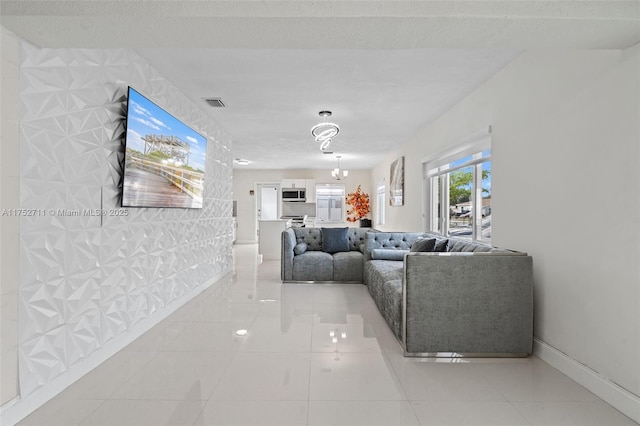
[313, 237]
[403, 241]
[356, 237]
[390, 241]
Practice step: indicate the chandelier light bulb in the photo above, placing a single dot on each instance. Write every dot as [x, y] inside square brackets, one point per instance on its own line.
[337, 173]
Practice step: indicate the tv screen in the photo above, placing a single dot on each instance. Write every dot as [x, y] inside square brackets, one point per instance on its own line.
[164, 158]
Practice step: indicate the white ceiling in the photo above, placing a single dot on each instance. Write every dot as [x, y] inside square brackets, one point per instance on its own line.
[385, 68]
[379, 98]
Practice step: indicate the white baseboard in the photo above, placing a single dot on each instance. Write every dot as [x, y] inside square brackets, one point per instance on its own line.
[612, 393]
[19, 408]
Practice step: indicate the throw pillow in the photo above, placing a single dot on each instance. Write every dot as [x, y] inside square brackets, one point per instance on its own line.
[300, 248]
[441, 245]
[388, 254]
[335, 240]
[424, 244]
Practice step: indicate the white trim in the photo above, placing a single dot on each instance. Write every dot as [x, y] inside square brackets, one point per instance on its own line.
[18, 408]
[442, 171]
[463, 145]
[437, 168]
[615, 395]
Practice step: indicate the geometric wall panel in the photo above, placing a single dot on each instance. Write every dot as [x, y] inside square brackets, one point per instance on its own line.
[86, 280]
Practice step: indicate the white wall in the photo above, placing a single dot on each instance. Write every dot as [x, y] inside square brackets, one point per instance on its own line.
[89, 285]
[566, 189]
[245, 180]
[9, 224]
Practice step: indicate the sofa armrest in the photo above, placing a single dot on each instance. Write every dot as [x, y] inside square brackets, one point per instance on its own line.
[286, 257]
[480, 303]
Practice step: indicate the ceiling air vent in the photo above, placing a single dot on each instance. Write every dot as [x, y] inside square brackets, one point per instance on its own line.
[215, 102]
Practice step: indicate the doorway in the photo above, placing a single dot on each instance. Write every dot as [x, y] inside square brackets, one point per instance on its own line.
[268, 202]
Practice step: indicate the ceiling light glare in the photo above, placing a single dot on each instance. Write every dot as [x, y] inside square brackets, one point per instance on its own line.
[241, 332]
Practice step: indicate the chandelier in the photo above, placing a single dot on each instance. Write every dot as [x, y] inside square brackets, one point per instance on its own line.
[337, 173]
[324, 132]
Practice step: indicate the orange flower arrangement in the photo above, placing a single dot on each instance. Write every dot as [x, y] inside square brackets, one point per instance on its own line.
[360, 205]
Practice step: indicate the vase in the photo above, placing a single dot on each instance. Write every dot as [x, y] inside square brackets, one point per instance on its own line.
[365, 223]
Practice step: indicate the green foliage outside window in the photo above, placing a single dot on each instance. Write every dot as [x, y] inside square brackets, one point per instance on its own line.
[460, 184]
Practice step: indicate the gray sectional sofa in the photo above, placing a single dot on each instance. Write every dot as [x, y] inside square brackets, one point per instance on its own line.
[467, 298]
[305, 257]
[440, 296]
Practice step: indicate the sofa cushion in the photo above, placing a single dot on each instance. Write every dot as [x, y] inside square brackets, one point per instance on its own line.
[313, 266]
[300, 248]
[347, 266]
[441, 245]
[388, 254]
[424, 245]
[384, 282]
[390, 306]
[334, 240]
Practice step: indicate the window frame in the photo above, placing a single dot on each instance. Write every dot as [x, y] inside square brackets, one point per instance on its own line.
[436, 170]
[343, 200]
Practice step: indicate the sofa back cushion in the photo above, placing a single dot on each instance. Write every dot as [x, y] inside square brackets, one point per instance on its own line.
[424, 244]
[312, 237]
[390, 241]
[334, 240]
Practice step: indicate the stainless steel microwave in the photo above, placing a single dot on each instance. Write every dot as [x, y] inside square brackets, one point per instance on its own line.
[294, 194]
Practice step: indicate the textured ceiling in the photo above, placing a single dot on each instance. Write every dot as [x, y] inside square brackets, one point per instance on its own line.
[385, 68]
[379, 98]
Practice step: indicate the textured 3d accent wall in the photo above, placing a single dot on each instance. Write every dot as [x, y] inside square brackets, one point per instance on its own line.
[86, 280]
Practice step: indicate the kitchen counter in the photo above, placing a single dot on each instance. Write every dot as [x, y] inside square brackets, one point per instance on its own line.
[269, 236]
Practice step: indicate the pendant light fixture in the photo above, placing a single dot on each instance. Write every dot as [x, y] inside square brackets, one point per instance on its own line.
[324, 132]
[337, 173]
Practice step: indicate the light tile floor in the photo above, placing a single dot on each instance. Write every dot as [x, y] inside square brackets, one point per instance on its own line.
[193, 369]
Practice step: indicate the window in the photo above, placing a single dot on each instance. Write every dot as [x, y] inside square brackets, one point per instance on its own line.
[330, 203]
[458, 184]
[381, 203]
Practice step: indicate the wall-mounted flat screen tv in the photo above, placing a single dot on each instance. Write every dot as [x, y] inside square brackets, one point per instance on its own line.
[164, 158]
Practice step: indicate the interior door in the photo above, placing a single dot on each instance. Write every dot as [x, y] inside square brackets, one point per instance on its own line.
[268, 201]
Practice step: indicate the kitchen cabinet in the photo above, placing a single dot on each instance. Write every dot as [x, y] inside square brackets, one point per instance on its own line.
[293, 183]
[311, 190]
